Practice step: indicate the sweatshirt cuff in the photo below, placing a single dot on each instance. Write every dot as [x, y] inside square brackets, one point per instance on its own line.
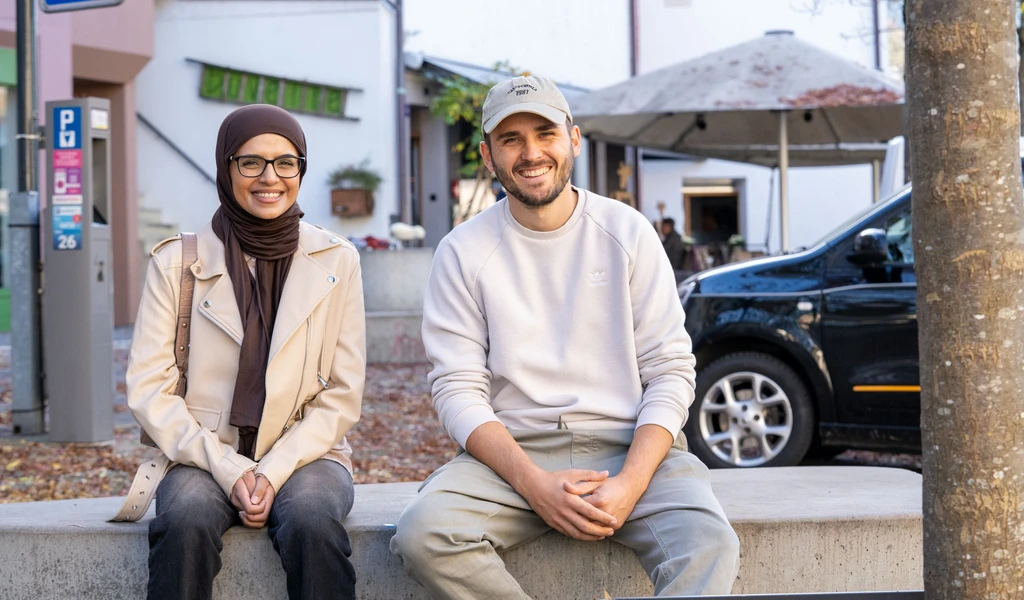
[468, 420]
[664, 416]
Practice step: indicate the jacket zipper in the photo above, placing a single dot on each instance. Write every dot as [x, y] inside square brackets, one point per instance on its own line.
[302, 376]
[320, 367]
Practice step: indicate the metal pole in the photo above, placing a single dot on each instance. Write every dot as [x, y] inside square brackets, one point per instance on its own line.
[28, 131]
[876, 179]
[634, 154]
[877, 26]
[26, 349]
[601, 168]
[404, 187]
[783, 180]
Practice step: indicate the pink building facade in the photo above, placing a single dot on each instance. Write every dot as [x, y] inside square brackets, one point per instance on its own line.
[98, 53]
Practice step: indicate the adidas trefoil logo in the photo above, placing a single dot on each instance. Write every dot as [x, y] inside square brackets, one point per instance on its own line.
[598, 278]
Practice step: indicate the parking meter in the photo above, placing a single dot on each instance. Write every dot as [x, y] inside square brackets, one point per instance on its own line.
[78, 317]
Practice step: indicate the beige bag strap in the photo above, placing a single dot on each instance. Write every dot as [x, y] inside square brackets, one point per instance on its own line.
[182, 333]
[149, 474]
[188, 287]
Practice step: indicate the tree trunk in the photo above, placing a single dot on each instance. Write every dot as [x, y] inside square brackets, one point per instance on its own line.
[968, 226]
[1020, 70]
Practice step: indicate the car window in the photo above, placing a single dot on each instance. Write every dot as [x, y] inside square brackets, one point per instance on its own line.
[899, 239]
[899, 264]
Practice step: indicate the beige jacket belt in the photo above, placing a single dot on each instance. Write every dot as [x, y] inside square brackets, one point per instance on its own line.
[143, 489]
[315, 374]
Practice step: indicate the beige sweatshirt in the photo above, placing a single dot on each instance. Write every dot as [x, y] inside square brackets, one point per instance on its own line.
[581, 325]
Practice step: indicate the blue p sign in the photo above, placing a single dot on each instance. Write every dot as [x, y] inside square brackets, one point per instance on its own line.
[68, 127]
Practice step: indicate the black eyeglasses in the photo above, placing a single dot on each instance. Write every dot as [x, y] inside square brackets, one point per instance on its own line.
[251, 165]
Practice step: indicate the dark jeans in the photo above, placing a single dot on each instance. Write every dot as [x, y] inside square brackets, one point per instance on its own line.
[192, 513]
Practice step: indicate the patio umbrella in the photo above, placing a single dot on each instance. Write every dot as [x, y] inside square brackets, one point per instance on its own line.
[765, 101]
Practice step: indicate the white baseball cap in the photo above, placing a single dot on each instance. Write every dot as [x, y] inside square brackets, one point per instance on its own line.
[537, 95]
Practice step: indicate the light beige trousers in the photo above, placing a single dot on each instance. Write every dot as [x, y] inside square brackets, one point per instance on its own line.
[449, 536]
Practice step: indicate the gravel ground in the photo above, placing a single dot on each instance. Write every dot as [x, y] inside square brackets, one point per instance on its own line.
[398, 438]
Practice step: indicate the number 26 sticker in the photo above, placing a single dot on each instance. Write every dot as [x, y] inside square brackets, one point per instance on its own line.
[67, 227]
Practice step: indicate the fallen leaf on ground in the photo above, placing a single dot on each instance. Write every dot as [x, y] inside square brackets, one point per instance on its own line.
[398, 438]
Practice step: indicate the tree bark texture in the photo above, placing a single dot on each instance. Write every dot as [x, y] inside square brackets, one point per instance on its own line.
[1020, 68]
[968, 224]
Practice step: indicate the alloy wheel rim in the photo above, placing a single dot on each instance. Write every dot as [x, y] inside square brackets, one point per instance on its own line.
[746, 419]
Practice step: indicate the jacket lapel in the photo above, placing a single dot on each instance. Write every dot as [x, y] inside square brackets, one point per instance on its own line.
[308, 283]
[218, 304]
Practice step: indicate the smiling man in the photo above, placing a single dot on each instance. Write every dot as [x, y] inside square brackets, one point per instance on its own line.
[563, 370]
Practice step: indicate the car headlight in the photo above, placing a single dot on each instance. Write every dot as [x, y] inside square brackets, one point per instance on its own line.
[685, 290]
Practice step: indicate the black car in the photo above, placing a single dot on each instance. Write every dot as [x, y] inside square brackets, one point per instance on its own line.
[814, 350]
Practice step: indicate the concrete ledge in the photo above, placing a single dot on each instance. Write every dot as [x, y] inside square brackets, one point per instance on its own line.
[394, 337]
[801, 529]
[395, 279]
[393, 284]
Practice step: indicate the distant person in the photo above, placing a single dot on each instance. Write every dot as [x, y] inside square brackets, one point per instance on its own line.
[674, 246]
[275, 376]
[562, 368]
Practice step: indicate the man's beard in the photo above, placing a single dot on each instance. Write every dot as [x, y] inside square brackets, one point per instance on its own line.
[563, 172]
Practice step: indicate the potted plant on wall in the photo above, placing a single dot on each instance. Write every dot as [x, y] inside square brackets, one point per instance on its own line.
[352, 188]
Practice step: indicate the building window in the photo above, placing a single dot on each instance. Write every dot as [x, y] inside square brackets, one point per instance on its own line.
[224, 84]
[271, 91]
[251, 93]
[212, 87]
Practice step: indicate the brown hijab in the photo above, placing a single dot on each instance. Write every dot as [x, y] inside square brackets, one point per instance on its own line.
[272, 243]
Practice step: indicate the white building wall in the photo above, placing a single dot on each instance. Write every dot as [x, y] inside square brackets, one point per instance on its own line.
[817, 203]
[187, 199]
[349, 44]
[819, 197]
[581, 42]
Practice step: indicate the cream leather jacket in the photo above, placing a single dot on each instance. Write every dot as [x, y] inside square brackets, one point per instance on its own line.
[315, 374]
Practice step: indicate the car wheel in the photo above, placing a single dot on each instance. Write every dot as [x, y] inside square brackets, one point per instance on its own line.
[750, 410]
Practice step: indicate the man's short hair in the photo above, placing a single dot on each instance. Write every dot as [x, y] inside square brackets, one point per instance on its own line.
[669, 221]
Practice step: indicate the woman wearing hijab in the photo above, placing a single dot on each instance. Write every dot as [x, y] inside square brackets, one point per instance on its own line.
[275, 375]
